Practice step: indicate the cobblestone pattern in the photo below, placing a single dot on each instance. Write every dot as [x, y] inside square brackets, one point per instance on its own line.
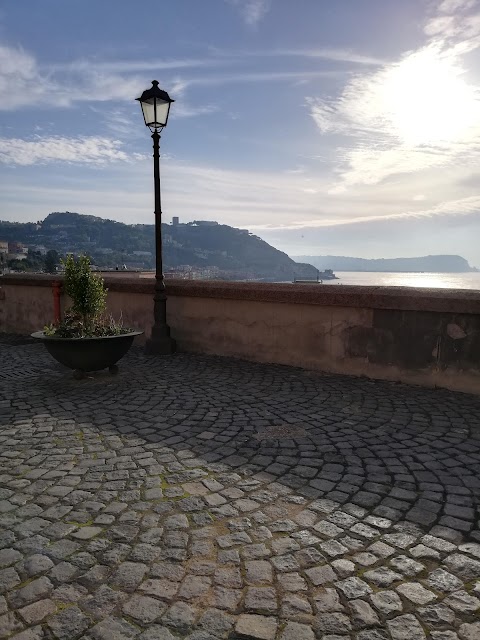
[148, 506]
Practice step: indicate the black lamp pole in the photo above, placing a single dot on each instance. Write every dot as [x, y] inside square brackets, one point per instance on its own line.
[160, 342]
[155, 105]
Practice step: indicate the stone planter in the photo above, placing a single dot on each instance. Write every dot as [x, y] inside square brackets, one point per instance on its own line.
[88, 354]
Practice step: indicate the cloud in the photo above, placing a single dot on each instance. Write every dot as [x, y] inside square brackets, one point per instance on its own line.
[454, 208]
[133, 66]
[259, 76]
[24, 83]
[450, 6]
[20, 80]
[335, 55]
[252, 11]
[418, 113]
[87, 150]
[183, 110]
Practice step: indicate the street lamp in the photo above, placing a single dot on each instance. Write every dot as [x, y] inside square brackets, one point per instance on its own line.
[155, 105]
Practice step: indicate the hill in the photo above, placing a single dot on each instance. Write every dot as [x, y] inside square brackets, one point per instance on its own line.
[427, 264]
[227, 251]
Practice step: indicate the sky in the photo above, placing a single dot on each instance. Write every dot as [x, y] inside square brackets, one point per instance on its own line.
[345, 128]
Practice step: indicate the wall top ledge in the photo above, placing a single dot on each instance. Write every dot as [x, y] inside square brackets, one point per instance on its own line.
[401, 298]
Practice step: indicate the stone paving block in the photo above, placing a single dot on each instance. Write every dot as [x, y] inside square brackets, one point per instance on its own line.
[217, 622]
[33, 633]
[101, 602]
[292, 582]
[321, 575]
[157, 632]
[295, 606]
[444, 581]
[343, 568]
[416, 593]
[194, 587]
[143, 609]
[437, 614]
[386, 602]
[9, 624]
[9, 578]
[469, 631]
[34, 590]
[180, 617]
[353, 587]
[261, 599]
[463, 566]
[296, 631]
[69, 623]
[256, 627]
[444, 635]
[36, 612]
[332, 623]
[227, 599]
[407, 566]
[129, 575]
[113, 629]
[405, 627]
[462, 602]
[258, 571]
[372, 634]
[9, 557]
[362, 614]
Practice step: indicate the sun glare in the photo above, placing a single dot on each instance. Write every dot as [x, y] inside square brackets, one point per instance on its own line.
[428, 99]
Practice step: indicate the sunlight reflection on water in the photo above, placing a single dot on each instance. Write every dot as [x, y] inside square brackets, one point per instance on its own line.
[433, 280]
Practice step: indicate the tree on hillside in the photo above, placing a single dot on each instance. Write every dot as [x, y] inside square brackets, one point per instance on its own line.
[51, 260]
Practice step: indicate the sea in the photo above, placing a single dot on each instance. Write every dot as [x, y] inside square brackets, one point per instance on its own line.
[432, 280]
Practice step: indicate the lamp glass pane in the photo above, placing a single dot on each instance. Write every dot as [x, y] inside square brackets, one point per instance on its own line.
[148, 111]
[162, 112]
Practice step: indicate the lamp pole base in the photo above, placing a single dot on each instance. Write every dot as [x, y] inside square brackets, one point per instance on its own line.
[160, 343]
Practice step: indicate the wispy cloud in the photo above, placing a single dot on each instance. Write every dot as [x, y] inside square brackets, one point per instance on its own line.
[260, 76]
[334, 55]
[451, 6]
[133, 66]
[411, 115]
[20, 79]
[252, 11]
[43, 150]
[455, 208]
[23, 82]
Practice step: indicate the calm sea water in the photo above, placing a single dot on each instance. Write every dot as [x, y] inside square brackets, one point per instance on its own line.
[440, 280]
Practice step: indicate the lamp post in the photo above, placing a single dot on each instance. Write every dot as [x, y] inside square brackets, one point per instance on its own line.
[155, 105]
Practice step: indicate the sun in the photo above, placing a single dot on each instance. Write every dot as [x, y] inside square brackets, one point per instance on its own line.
[427, 98]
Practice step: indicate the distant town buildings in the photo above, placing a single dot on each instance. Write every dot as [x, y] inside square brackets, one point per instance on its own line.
[197, 223]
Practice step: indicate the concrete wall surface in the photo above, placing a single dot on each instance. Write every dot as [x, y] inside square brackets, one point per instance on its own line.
[429, 337]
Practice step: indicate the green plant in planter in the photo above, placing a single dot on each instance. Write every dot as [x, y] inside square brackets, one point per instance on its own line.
[86, 317]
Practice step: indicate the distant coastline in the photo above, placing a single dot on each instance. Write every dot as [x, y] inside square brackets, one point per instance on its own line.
[423, 264]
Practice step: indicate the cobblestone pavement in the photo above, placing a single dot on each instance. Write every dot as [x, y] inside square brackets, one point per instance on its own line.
[206, 498]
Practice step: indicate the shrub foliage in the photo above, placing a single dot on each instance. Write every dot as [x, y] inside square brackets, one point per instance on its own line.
[86, 317]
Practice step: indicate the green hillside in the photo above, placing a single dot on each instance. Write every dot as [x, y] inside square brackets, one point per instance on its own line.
[198, 245]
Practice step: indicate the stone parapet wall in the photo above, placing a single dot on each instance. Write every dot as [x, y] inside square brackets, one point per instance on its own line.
[423, 336]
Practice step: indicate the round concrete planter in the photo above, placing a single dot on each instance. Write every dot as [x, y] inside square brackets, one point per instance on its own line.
[88, 354]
